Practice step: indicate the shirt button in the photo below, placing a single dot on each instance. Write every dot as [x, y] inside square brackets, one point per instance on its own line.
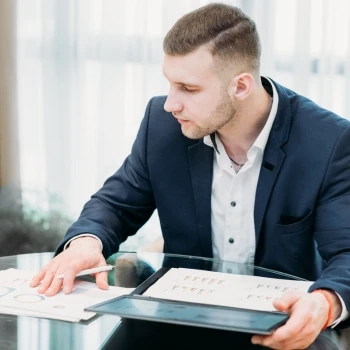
[233, 204]
[231, 240]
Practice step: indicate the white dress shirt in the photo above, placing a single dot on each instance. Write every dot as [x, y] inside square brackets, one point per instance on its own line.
[233, 197]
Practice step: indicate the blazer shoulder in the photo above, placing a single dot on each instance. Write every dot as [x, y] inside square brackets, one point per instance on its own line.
[306, 111]
[158, 101]
[311, 115]
[314, 116]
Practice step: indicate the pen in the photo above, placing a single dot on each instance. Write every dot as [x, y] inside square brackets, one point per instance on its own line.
[89, 271]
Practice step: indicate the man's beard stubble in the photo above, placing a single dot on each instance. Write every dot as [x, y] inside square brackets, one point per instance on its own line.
[222, 115]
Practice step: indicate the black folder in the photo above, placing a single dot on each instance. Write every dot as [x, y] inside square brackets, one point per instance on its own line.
[138, 306]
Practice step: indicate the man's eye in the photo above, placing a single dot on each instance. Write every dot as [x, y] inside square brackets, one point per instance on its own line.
[189, 90]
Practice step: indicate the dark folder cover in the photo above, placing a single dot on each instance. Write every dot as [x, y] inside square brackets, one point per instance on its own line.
[137, 306]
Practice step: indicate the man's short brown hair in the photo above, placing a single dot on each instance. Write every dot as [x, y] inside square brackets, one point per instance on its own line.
[230, 35]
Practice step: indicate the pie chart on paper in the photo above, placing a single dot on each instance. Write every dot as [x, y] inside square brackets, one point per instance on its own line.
[28, 298]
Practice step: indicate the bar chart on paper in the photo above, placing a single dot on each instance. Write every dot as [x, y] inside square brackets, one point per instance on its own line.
[216, 288]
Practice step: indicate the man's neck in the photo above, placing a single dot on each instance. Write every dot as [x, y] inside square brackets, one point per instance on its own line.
[247, 124]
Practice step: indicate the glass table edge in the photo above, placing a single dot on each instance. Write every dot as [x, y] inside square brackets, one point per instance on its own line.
[275, 272]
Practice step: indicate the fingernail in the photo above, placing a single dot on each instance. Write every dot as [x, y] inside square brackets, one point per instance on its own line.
[65, 289]
[255, 340]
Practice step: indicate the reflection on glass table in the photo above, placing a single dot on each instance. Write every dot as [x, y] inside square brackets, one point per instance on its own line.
[111, 332]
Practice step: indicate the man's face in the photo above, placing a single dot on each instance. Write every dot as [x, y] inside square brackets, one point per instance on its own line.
[197, 97]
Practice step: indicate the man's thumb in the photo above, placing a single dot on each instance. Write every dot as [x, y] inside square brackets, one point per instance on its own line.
[287, 300]
[101, 280]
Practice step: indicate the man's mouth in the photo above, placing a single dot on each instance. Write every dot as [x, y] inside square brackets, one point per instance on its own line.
[182, 121]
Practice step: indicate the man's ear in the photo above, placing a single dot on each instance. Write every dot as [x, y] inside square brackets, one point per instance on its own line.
[241, 86]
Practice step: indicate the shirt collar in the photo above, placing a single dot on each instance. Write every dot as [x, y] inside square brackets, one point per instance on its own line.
[261, 141]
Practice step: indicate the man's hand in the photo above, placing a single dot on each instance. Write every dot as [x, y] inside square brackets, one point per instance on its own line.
[82, 253]
[308, 315]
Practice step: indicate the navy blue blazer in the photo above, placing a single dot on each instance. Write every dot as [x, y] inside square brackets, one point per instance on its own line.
[302, 206]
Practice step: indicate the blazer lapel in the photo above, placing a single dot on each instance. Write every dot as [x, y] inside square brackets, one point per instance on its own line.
[273, 157]
[271, 165]
[201, 166]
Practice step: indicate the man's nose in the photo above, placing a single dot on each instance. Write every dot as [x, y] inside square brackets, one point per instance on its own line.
[172, 105]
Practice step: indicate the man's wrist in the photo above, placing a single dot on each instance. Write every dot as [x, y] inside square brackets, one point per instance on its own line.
[335, 306]
[89, 239]
[83, 235]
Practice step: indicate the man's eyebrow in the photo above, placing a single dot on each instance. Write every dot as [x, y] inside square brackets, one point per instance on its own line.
[184, 83]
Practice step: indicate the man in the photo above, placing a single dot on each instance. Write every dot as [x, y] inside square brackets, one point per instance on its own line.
[239, 168]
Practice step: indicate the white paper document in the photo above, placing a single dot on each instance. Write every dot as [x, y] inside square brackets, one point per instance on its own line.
[217, 288]
[16, 297]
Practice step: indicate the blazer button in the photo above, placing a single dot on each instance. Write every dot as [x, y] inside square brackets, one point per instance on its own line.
[231, 240]
[233, 204]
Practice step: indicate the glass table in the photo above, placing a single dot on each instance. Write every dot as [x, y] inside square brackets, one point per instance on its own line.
[111, 332]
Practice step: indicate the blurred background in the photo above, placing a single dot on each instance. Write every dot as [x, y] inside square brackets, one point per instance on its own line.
[76, 75]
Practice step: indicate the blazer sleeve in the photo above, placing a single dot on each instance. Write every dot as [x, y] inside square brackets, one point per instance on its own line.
[123, 204]
[332, 221]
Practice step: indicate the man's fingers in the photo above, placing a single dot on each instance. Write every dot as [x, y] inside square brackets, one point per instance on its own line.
[303, 326]
[37, 278]
[66, 282]
[296, 323]
[83, 253]
[294, 326]
[102, 280]
[47, 278]
[286, 339]
[54, 287]
[280, 339]
[68, 279]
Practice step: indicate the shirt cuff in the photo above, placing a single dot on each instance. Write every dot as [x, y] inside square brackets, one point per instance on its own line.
[344, 314]
[83, 235]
